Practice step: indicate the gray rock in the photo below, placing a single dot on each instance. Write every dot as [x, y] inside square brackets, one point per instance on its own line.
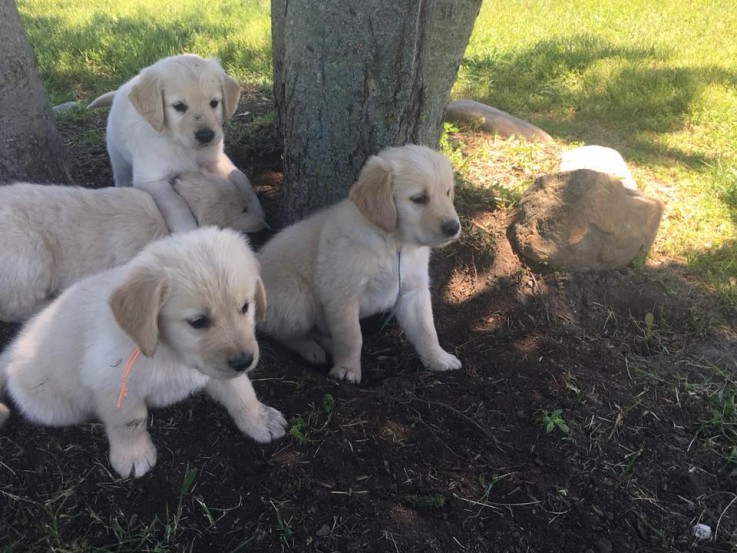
[65, 106]
[583, 220]
[598, 158]
[493, 120]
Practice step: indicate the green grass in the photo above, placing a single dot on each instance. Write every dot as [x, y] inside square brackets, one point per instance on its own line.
[718, 429]
[126, 532]
[656, 80]
[88, 47]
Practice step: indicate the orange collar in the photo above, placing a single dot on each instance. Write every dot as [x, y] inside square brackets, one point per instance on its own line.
[126, 370]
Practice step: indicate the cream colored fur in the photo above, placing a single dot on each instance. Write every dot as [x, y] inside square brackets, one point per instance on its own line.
[153, 129]
[51, 236]
[65, 367]
[341, 264]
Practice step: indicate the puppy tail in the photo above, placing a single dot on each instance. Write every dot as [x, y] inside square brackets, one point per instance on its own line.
[4, 360]
[102, 101]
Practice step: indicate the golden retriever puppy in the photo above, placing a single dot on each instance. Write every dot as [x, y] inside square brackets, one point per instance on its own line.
[188, 303]
[51, 236]
[364, 255]
[168, 119]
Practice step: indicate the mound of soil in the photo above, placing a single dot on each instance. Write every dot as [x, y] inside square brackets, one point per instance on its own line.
[575, 425]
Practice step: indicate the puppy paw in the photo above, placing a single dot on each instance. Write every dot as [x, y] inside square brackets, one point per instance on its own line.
[266, 425]
[313, 353]
[443, 361]
[310, 351]
[349, 374]
[133, 460]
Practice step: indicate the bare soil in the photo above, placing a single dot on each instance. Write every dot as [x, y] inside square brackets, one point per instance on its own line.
[413, 461]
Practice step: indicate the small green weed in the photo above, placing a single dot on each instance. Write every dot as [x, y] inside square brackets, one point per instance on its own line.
[628, 467]
[282, 526]
[328, 404]
[297, 429]
[553, 419]
[302, 429]
[173, 526]
[730, 462]
[425, 501]
[487, 485]
[649, 323]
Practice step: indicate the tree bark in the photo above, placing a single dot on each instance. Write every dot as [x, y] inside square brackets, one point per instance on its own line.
[30, 145]
[352, 77]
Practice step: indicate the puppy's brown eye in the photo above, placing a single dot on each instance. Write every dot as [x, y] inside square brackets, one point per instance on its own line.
[214, 104]
[448, 193]
[180, 107]
[199, 322]
[244, 309]
[245, 210]
[420, 199]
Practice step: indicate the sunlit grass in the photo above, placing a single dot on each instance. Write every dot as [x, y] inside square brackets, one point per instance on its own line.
[85, 47]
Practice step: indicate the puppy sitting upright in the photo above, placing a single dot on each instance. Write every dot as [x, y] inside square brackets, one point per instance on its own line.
[168, 119]
[362, 256]
[188, 302]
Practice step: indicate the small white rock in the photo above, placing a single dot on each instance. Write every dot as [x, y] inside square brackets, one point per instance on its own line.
[702, 532]
[598, 158]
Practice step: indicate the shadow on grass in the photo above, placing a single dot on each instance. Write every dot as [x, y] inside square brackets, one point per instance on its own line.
[85, 60]
[579, 85]
[718, 267]
[585, 88]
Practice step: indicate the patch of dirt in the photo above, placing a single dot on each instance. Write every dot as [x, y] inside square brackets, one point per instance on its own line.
[412, 461]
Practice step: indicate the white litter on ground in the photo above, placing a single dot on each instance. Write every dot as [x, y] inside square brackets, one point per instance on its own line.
[702, 531]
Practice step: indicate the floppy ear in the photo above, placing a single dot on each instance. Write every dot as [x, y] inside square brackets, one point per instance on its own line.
[373, 194]
[231, 95]
[136, 304]
[260, 300]
[147, 98]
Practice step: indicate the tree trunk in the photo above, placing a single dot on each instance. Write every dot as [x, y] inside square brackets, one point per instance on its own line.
[352, 77]
[30, 145]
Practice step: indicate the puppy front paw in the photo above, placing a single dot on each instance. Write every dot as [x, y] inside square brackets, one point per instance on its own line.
[349, 374]
[265, 425]
[312, 352]
[133, 459]
[442, 361]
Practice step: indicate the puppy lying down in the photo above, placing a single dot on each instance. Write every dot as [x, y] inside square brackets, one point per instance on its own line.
[188, 302]
[51, 236]
[364, 255]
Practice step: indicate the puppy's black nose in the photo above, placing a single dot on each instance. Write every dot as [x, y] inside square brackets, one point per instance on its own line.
[241, 362]
[451, 228]
[204, 136]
